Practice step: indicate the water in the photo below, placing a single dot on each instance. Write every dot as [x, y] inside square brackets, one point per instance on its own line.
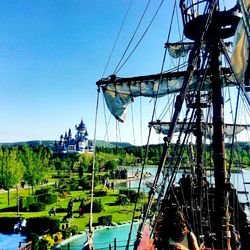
[237, 179]
[10, 241]
[105, 237]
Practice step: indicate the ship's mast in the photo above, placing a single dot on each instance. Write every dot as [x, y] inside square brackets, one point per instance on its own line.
[214, 25]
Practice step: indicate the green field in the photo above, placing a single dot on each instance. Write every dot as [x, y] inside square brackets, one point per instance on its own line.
[119, 213]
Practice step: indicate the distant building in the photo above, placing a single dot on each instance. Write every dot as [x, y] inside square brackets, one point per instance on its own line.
[80, 144]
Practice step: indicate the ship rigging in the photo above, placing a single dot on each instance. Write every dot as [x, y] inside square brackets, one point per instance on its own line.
[198, 86]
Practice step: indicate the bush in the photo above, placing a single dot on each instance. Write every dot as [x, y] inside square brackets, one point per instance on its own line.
[131, 194]
[57, 236]
[64, 188]
[46, 242]
[100, 191]
[74, 230]
[35, 240]
[73, 185]
[37, 207]
[66, 233]
[40, 225]
[28, 201]
[47, 198]
[97, 206]
[7, 224]
[111, 165]
[105, 220]
[45, 190]
[122, 199]
[85, 183]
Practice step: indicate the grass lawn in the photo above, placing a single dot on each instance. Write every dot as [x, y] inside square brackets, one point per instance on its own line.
[119, 213]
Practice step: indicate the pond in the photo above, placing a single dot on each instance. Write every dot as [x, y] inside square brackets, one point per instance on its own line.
[237, 179]
[105, 237]
[10, 241]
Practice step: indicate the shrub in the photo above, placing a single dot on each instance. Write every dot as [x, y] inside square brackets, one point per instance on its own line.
[105, 220]
[35, 240]
[7, 224]
[74, 230]
[64, 188]
[40, 225]
[47, 198]
[37, 207]
[100, 191]
[46, 242]
[73, 185]
[85, 183]
[66, 233]
[122, 199]
[45, 190]
[29, 200]
[131, 194]
[57, 236]
[97, 206]
[111, 165]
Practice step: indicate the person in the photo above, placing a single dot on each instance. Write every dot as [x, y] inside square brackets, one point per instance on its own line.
[173, 234]
[52, 211]
[235, 238]
[23, 225]
[70, 209]
[81, 209]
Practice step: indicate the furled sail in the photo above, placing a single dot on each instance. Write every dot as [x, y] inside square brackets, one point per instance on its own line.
[120, 92]
[241, 53]
[181, 49]
[163, 127]
[177, 50]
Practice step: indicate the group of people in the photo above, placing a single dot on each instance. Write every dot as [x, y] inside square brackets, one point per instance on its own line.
[20, 226]
[108, 184]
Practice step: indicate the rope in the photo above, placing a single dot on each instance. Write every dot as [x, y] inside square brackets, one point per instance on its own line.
[93, 173]
[117, 37]
[132, 38]
[143, 35]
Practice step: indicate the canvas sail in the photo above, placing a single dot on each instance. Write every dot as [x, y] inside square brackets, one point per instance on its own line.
[120, 92]
[240, 57]
[163, 127]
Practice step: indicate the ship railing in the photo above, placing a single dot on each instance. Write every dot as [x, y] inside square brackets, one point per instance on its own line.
[26, 246]
[191, 9]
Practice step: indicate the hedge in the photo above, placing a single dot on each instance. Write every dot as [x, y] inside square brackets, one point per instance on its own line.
[45, 190]
[37, 207]
[97, 206]
[40, 225]
[7, 224]
[122, 199]
[131, 194]
[47, 198]
[105, 220]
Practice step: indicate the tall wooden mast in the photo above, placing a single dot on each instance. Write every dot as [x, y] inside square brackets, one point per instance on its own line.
[211, 26]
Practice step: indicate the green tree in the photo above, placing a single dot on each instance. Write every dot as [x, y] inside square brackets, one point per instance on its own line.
[11, 170]
[35, 167]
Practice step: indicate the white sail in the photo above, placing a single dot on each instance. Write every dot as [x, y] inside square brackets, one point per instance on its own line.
[163, 127]
[240, 57]
[120, 92]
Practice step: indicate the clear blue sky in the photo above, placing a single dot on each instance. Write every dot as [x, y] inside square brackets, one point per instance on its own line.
[52, 52]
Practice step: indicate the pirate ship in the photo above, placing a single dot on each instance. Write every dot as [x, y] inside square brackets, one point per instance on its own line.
[207, 67]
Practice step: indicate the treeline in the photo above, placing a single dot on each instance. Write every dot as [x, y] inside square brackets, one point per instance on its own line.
[33, 164]
[241, 154]
[23, 163]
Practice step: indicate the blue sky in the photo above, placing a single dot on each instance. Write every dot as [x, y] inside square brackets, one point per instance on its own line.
[53, 52]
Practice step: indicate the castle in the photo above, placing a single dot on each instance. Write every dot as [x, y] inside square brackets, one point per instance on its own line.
[79, 144]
